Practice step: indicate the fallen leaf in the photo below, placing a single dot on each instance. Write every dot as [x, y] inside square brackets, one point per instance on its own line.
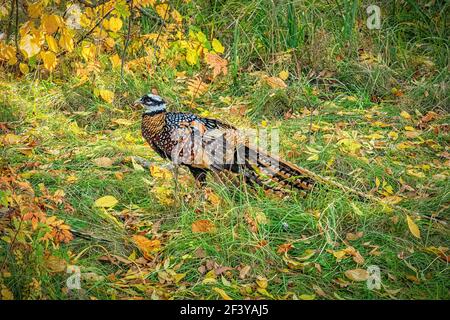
[103, 162]
[405, 115]
[55, 264]
[146, 245]
[354, 236]
[203, 226]
[285, 247]
[105, 202]
[261, 282]
[244, 272]
[222, 293]
[283, 75]
[307, 297]
[357, 274]
[413, 227]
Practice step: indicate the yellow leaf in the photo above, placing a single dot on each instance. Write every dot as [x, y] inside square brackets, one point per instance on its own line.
[162, 10]
[6, 294]
[124, 122]
[176, 16]
[8, 53]
[29, 46]
[222, 293]
[106, 202]
[409, 128]
[110, 42]
[217, 46]
[115, 24]
[88, 51]
[393, 135]
[66, 41]
[191, 56]
[210, 277]
[261, 282]
[49, 59]
[24, 68]
[413, 227]
[375, 136]
[357, 275]
[35, 9]
[314, 157]
[414, 173]
[52, 44]
[405, 115]
[307, 297]
[106, 95]
[115, 60]
[201, 37]
[203, 226]
[283, 75]
[159, 172]
[51, 23]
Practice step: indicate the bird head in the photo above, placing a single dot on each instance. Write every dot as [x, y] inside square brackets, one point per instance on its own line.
[152, 103]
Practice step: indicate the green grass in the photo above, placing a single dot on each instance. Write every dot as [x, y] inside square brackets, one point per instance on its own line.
[233, 244]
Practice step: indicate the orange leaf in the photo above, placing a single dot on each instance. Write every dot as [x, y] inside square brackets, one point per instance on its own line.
[203, 226]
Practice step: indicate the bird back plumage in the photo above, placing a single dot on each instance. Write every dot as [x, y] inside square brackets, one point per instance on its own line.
[175, 135]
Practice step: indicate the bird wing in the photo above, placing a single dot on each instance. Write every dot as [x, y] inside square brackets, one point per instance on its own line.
[205, 143]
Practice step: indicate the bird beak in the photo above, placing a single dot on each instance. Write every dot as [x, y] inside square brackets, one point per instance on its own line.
[137, 103]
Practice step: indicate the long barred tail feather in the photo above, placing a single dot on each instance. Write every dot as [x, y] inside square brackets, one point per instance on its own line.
[280, 171]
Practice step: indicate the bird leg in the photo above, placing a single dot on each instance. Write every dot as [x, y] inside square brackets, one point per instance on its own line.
[175, 177]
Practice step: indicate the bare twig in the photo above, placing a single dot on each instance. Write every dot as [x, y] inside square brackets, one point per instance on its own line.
[127, 40]
[310, 118]
[328, 181]
[95, 26]
[17, 27]
[141, 161]
[10, 19]
[93, 5]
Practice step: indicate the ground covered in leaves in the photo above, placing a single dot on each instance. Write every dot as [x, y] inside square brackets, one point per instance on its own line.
[83, 197]
[132, 238]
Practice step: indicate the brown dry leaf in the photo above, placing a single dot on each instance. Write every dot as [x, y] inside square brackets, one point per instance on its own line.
[354, 236]
[218, 64]
[244, 272]
[430, 116]
[55, 264]
[319, 291]
[285, 247]
[357, 274]
[275, 82]
[196, 87]
[203, 226]
[103, 162]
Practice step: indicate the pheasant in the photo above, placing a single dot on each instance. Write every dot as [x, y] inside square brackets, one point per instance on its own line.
[208, 145]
